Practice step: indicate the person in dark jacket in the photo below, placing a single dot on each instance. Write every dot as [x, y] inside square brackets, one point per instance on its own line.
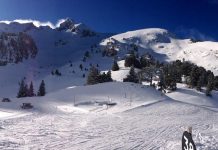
[187, 141]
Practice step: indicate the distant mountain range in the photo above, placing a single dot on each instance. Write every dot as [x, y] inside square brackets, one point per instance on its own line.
[33, 52]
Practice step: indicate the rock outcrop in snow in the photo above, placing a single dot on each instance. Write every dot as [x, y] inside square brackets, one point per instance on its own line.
[15, 47]
[70, 26]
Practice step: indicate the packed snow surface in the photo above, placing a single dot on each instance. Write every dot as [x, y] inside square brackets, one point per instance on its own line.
[105, 116]
[79, 118]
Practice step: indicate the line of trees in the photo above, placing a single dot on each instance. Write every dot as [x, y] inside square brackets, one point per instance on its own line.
[145, 60]
[172, 73]
[195, 76]
[28, 91]
[95, 77]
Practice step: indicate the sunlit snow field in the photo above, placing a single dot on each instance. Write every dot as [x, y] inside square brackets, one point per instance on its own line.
[149, 120]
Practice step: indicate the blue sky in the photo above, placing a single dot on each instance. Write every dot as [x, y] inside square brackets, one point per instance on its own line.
[186, 17]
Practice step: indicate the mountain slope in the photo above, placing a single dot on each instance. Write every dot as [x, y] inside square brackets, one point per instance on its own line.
[127, 115]
[166, 47]
[14, 48]
[55, 50]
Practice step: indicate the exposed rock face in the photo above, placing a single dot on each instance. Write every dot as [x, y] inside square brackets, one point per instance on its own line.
[15, 47]
[66, 25]
[81, 29]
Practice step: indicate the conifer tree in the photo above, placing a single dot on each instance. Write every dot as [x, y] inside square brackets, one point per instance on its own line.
[87, 54]
[170, 76]
[216, 82]
[57, 72]
[115, 66]
[102, 78]
[41, 91]
[52, 72]
[23, 90]
[209, 87]
[129, 60]
[108, 75]
[146, 60]
[200, 82]
[81, 67]
[194, 76]
[132, 77]
[84, 59]
[26, 89]
[31, 90]
[93, 76]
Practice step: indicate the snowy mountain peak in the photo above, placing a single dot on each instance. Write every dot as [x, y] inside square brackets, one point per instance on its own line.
[143, 37]
[164, 46]
[149, 35]
[67, 24]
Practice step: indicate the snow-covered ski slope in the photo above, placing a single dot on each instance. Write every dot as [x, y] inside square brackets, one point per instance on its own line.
[56, 50]
[142, 118]
[166, 47]
[110, 115]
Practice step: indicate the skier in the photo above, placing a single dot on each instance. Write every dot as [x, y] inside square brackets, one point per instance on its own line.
[187, 141]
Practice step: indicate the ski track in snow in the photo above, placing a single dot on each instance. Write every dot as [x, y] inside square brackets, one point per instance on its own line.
[140, 128]
[149, 122]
